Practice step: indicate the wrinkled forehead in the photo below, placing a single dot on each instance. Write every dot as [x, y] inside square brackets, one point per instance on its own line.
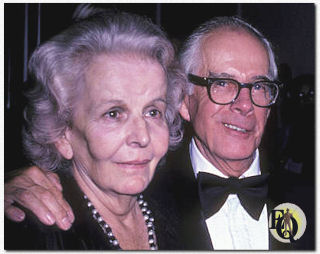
[234, 48]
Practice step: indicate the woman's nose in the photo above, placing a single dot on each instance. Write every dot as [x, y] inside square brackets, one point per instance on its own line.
[138, 133]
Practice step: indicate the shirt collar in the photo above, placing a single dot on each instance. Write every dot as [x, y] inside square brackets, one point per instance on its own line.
[200, 163]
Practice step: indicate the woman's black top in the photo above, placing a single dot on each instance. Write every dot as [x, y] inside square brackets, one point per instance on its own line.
[85, 233]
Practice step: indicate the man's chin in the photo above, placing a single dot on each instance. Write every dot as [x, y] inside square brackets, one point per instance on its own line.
[239, 157]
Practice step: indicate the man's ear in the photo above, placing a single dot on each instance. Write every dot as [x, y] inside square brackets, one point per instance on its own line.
[64, 146]
[184, 109]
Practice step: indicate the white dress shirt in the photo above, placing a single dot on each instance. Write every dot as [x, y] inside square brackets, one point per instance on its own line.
[232, 228]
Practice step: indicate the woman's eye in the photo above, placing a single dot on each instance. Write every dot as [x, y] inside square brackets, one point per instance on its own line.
[113, 114]
[154, 113]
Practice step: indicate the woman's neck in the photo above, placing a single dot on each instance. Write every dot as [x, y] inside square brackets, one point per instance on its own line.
[109, 203]
[121, 212]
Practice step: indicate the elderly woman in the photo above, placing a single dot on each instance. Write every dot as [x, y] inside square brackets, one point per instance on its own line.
[102, 112]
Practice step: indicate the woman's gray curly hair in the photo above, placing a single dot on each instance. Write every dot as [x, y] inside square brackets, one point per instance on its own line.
[59, 64]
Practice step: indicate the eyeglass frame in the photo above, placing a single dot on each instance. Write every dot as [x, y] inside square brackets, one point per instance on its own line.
[207, 82]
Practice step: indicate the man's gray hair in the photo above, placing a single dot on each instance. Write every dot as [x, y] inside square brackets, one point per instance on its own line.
[58, 67]
[190, 57]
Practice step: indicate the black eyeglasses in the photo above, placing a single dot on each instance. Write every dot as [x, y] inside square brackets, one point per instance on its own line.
[224, 91]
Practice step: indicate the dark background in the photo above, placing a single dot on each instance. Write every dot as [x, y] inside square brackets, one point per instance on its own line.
[289, 139]
[290, 134]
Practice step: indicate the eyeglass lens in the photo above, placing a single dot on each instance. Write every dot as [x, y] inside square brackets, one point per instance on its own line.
[225, 91]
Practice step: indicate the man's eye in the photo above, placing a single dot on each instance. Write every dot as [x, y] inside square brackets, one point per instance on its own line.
[221, 83]
[260, 86]
[257, 87]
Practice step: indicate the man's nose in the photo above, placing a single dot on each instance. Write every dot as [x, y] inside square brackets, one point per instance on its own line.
[138, 133]
[243, 103]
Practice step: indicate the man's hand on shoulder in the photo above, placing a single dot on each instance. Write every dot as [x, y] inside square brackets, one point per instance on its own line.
[40, 192]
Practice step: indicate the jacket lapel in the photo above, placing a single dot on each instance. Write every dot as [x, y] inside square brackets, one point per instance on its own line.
[192, 227]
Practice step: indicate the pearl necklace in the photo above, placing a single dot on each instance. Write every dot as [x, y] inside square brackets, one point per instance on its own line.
[147, 214]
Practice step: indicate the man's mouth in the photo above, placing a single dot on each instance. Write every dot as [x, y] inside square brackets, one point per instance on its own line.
[236, 128]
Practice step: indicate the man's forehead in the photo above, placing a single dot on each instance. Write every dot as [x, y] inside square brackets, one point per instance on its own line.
[227, 36]
[237, 47]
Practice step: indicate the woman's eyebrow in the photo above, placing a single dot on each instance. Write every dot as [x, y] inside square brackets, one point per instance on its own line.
[98, 105]
[160, 100]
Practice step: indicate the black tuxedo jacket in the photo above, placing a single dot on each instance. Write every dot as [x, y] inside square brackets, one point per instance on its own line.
[176, 182]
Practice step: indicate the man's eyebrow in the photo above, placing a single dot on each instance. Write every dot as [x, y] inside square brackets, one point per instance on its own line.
[220, 75]
[227, 75]
[261, 77]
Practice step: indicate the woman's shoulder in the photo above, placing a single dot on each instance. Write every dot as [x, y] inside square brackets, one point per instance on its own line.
[29, 234]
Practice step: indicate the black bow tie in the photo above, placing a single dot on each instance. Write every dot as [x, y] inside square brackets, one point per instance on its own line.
[214, 191]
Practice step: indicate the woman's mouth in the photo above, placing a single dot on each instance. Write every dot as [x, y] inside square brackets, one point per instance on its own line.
[134, 163]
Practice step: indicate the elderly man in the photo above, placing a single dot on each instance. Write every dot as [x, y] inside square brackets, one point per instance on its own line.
[232, 72]
[232, 84]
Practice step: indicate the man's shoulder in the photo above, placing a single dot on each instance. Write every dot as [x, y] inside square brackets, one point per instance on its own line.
[175, 172]
[288, 187]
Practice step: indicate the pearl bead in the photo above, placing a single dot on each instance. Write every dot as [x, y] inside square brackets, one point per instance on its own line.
[107, 230]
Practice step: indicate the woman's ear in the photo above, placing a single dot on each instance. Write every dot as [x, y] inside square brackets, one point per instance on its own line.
[184, 109]
[64, 146]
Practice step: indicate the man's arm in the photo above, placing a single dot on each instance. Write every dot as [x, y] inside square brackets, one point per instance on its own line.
[40, 192]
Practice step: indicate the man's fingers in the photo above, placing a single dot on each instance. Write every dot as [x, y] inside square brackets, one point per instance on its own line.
[54, 180]
[57, 192]
[53, 201]
[39, 177]
[13, 213]
[59, 207]
[40, 192]
[27, 199]
[68, 210]
[56, 204]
